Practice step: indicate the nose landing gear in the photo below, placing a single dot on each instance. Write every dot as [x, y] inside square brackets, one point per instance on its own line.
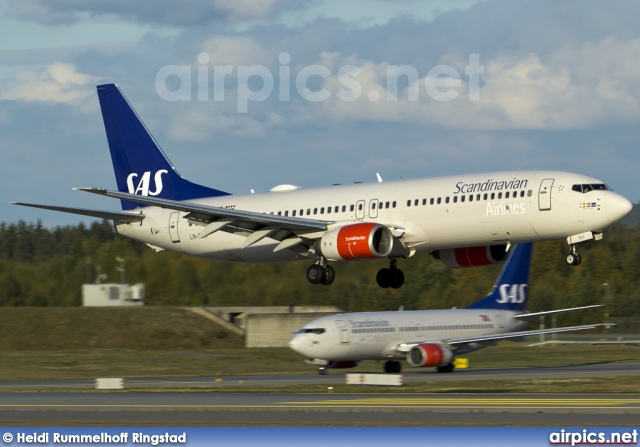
[573, 258]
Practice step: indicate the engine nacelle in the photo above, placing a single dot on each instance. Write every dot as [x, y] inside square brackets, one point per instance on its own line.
[429, 354]
[358, 241]
[460, 258]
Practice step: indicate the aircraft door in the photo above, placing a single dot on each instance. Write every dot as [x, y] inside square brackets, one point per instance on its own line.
[173, 227]
[544, 195]
[373, 208]
[345, 335]
[360, 204]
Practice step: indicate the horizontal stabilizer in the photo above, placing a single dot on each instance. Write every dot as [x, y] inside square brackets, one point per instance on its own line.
[111, 215]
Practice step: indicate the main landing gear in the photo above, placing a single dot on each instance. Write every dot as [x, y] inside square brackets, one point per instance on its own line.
[321, 273]
[391, 277]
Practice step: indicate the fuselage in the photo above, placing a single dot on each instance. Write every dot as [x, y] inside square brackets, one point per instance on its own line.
[377, 335]
[429, 214]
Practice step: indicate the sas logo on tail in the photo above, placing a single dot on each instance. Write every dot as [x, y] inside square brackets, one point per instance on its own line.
[512, 293]
[144, 183]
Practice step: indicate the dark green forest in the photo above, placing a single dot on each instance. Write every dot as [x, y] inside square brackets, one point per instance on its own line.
[46, 267]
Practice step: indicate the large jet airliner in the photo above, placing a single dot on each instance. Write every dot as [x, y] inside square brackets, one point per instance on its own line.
[464, 220]
[427, 337]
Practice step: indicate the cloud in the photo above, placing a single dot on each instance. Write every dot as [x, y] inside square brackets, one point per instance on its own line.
[176, 13]
[58, 82]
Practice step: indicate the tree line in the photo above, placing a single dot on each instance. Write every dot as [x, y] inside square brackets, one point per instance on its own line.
[47, 267]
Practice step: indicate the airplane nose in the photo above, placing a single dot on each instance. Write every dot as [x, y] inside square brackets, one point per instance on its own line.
[294, 344]
[617, 207]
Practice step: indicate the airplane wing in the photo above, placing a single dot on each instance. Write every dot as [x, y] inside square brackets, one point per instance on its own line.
[111, 215]
[453, 342]
[256, 226]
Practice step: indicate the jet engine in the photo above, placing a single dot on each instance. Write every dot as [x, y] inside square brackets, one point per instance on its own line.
[429, 354]
[357, 241]
[459, 258]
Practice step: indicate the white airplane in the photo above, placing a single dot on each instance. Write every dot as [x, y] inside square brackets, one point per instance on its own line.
[427, 337]
[464, 220]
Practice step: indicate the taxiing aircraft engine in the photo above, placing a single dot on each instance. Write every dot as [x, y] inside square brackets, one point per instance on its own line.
[429, 354]
[343, 364]
[460, 258]
[357, 241]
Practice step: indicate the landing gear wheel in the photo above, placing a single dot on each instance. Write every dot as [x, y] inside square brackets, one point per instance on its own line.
[398, 279]
[392, 277]
[315, 274]
[384, 278]
[574, 259]
[446, 368]
[392, 367]
[323, 371]
[329, 275]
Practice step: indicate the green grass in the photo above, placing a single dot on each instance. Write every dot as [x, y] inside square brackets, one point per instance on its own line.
[85, 343]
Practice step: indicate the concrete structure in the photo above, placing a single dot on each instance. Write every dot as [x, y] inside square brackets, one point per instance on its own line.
[276, 330]
[264, 327]
[101, 295]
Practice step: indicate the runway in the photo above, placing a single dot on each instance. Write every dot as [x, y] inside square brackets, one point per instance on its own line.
[197, 402]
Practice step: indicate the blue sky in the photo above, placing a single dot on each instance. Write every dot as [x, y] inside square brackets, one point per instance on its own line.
[559, 89]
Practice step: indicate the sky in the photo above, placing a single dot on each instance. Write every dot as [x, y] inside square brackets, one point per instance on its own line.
[250, 94]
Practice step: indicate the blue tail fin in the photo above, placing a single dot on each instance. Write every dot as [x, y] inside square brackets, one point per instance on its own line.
[138, 161]
[511, 289]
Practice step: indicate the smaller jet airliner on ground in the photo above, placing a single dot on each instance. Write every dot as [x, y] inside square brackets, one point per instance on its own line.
[463, 220]
[427, 337]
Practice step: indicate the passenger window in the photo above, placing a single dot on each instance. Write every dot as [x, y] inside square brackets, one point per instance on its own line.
[315, 211]
[529, 193]
[336, 209]
[408, 202]
[439, 200]
[506, 195]
[393, 205]
[293, 213]
[416, 202]
[462, 198]
[344, 208]
[424, 201]
[521, 193]
[322, 210]
[360, 207]
[446, 200]
[486, 196]
[431, 201]
[351, 208]
[455, 199]
[328, 210]
[386, 205]
[493, 195]
[499, 195]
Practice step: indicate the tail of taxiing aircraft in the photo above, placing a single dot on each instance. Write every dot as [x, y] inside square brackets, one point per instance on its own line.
[510, 291]
[140, 165]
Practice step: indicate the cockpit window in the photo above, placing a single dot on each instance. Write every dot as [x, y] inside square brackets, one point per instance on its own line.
[588, 187]
[317, 331]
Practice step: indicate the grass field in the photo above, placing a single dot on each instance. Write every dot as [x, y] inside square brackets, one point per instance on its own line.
[85, 343]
